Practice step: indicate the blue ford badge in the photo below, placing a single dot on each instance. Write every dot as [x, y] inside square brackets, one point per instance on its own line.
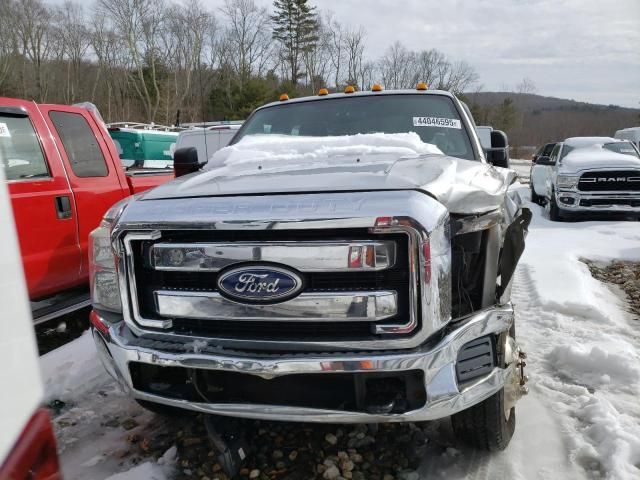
[259, 283]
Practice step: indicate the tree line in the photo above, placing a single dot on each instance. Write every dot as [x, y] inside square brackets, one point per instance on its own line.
[169, 61]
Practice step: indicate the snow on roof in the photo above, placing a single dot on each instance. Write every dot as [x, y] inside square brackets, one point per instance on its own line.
[278, 149]
[579, 142]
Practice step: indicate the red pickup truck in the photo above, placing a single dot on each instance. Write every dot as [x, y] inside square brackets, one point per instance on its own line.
[63, 173]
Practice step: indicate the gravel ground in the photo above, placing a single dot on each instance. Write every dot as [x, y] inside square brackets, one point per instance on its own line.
[625, 275]
[290, 451]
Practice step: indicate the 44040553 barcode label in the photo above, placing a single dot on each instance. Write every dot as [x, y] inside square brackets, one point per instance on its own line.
[436, 122]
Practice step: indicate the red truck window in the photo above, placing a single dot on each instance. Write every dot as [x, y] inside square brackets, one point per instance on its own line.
[80, 143]
[20, 151]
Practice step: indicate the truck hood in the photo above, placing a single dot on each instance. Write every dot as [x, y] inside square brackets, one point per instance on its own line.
[597, 157]
[463, 186]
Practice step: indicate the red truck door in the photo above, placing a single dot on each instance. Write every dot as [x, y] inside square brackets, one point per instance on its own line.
[94, 178]
[43, 205]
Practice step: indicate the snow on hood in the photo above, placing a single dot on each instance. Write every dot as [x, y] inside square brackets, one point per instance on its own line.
[276, 151]
[595, 156]
[279, 164]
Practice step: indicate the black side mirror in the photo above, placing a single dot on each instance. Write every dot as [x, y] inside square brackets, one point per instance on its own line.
[544, 160]
[185, 161]
[498, 154]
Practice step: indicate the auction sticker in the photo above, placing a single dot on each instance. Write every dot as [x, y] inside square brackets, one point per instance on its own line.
[4, 130]
[436, 122]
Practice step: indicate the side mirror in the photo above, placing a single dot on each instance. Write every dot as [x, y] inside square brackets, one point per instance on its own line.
[544, 160]
[185, 161]
[498, 154]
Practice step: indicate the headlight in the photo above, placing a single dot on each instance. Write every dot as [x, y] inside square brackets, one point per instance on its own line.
[103, 276]
[105, 292]
[566, 181]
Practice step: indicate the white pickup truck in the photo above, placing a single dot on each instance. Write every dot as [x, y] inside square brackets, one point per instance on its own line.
[587, 176]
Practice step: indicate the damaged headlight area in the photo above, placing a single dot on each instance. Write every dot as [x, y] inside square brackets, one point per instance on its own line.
[105, 292]
[103, 275]
[567, 181]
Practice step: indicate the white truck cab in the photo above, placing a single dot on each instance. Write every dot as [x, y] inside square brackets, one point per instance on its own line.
[587, 175]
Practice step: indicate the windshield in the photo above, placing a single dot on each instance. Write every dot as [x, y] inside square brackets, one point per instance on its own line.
[434, 118]
[625, 148]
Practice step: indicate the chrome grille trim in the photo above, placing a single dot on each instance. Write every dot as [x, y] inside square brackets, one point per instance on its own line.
[306, 307]
[415, 214]
[321, 256]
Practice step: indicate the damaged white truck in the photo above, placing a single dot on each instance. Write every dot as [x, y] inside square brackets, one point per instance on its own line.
[347, 259]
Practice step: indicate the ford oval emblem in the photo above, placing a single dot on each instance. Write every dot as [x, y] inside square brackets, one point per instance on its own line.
[259, 283]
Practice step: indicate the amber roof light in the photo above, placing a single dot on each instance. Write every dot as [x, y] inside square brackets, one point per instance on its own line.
[284, 97]
[323, 91]
[349, 89]
[421, 86]
[376, 87]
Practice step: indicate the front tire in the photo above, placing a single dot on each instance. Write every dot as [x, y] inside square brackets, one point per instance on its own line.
[554, 210]
[535, 198]
[486, 425]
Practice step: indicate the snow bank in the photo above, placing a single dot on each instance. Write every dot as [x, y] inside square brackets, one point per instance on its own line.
[71, 370]
[274, 150]
[584, 359]
[597, 365]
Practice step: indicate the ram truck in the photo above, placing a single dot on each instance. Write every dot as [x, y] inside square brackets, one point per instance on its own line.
[347, 259]
[588, 177]
[63, 173]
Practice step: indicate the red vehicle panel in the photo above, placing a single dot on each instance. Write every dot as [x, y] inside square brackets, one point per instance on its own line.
[63, 172]
[140, 182]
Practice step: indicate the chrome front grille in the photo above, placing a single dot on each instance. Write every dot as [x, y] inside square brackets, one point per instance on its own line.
[364, 281]
[610, 181]
[417, 269]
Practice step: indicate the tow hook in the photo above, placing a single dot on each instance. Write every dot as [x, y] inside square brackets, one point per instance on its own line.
[523, 378]
[229, 439]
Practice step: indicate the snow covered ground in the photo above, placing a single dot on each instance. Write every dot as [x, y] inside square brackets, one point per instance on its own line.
[581, 419]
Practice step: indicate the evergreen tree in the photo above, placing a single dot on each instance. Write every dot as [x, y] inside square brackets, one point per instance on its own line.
[296, 29]
[506, 115]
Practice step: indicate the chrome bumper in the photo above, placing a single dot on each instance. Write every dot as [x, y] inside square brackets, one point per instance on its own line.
[445, 396]
[611, 197]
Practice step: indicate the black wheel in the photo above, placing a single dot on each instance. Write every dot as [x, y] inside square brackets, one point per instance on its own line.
[554, 210]
[535, 198]
[488, 425]
[165, 410]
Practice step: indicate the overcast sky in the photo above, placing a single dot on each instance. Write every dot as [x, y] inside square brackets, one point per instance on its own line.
[586, 50]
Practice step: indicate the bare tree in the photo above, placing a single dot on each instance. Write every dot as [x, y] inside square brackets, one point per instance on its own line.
[317, 61]
[397, 67]
[249, 46]
[73, 38]
[140, 24]
[8, 40]
[354, 41]
[526, 86]
[335, 46]
[34, 33]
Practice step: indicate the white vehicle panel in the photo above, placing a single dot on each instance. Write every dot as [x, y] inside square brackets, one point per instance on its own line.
[20, 373]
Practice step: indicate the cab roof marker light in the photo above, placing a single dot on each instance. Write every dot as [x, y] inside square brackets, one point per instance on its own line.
[284, 97]
[421, 86]
[376, 87]
[322, 92]
[349, 89]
